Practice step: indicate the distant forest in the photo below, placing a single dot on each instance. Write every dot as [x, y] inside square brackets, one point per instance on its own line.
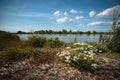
[62, 32]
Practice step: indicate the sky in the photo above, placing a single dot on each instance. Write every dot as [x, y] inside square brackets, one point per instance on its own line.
[75, 15]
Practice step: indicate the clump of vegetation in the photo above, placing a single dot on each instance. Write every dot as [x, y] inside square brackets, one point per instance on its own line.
[114, 42]
[8, 36]
[53, 43]
[80, 55]
[22, 53]
[32, 54]
[36, 41]
[39, 42]
[8, 40]
[14, 53]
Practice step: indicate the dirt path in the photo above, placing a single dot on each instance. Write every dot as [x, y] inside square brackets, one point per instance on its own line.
[26, 70]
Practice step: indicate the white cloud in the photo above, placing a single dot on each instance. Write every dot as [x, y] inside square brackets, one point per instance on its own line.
[98, 23]
[65, 13]
[79, 17]
[70, 20]
[62, 20]
[75, 11]
[92, 13]
[28, 14]
[109, 11]
[80, 24]
[57, 13]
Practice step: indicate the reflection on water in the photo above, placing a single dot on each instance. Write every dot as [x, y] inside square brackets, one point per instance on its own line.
[67, 37]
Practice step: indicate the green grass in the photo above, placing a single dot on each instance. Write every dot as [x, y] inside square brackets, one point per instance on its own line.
[17, 53]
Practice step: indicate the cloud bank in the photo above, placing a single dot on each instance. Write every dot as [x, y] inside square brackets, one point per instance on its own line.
[109, 11]
[62, 20]
[98, 23]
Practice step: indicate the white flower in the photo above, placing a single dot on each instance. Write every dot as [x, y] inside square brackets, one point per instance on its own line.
[83, 44]
[74, 49]
[85, 51]
[92, 58]
[65, 53]
[75, 58]
[57, 54]
[100, 51]
[94, 65]
[77, 44]
[68, 47]
[84, 58]
[82, 48]
[105, 60]
[68, 61]
[67, 57]
[90, 46]
[89, 53]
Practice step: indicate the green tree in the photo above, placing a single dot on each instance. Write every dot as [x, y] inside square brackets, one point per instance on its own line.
[20, 32]
[88, 32]
[64, 31]
[94, 32]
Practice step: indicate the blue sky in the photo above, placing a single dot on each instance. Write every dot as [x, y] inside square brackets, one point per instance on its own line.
[82, 15]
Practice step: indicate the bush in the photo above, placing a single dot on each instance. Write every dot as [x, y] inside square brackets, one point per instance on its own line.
[8, 36]
[80, 55]
[13, 54]
[53, 43]
[36, 41]
[114, 42]
[8, 40]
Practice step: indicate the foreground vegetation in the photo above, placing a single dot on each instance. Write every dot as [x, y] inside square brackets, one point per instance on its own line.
[17, 49]
[80, 55]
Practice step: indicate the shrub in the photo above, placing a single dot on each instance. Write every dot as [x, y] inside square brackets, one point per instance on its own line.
[8, 40]
[53, 43]
[8, 36]
[13, 54]
[36, 41]
[80, 55]
[114, 42]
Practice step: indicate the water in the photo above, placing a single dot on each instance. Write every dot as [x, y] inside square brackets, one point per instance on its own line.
[66, 38]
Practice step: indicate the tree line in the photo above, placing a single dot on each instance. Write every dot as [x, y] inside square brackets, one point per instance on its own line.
[63, 32]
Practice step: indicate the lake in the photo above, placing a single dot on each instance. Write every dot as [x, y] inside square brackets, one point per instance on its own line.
[66, 37]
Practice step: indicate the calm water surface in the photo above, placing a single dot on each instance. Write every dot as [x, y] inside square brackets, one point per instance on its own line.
[67, 37]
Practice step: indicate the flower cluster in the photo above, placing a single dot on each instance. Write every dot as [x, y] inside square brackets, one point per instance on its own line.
[79, 55]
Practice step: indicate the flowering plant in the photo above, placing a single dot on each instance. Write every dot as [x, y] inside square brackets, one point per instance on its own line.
[80, 55]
